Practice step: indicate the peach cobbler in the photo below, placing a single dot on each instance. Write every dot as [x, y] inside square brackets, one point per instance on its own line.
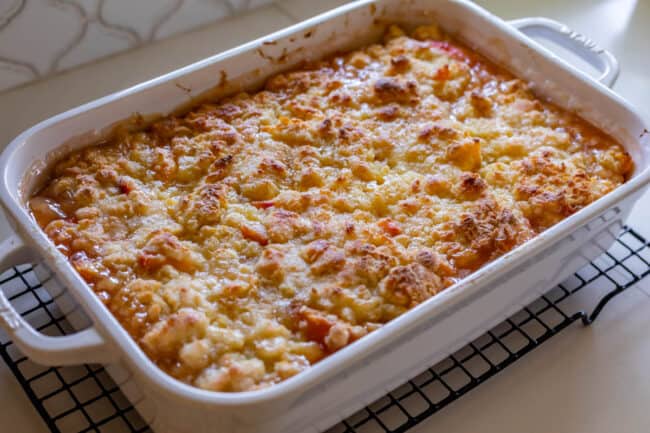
[246, 240]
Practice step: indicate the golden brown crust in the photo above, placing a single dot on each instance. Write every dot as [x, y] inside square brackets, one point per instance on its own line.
[250, 238]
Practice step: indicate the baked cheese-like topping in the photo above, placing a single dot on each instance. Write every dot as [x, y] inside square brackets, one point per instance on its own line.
[248, 239]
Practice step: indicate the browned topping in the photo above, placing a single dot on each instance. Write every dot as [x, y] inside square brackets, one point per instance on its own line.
[481, 104]
[395, 90]
[410, 285]
[465, 153]
[400, 63]
[472, 185]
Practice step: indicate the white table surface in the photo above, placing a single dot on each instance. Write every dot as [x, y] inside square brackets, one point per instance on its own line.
[592, 379]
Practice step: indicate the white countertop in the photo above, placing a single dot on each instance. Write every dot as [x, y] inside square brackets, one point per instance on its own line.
[592, 379]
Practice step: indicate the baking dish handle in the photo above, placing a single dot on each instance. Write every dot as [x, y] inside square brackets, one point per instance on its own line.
[580, 45]
[83, 347]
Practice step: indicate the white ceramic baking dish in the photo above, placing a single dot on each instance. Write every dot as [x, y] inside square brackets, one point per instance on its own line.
[364, 371]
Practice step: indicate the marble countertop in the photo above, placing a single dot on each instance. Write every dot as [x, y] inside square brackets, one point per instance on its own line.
[592, 379]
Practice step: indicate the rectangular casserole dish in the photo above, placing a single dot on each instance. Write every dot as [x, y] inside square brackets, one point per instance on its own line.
[369, 368]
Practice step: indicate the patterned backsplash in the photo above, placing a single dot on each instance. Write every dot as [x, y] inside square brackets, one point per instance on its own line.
[41, 37]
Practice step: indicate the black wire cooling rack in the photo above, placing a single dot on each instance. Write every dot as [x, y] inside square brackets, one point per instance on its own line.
[85, 399]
